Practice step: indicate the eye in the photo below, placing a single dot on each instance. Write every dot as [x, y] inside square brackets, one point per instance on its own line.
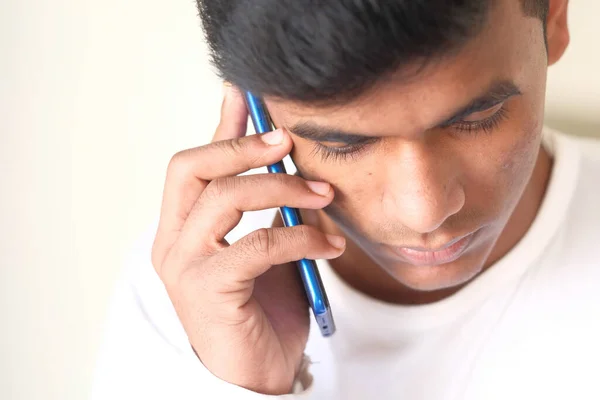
[486, 120]
[482, 115]
[336, 151]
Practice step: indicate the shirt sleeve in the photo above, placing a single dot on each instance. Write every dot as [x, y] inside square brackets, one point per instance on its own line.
[145, 353]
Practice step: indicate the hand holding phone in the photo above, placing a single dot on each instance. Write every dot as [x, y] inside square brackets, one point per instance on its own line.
[241, 304]
[313, 286]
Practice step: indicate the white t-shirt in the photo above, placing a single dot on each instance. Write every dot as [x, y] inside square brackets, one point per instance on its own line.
[527, 328]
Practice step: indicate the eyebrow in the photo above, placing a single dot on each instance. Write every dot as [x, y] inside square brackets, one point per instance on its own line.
[497, 92]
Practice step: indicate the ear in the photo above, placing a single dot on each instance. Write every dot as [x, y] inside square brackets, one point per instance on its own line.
[557, 29]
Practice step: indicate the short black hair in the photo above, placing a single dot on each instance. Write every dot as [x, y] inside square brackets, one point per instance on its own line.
[332, 50]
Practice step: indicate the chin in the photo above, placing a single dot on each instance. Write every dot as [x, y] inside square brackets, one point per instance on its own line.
[438, 277]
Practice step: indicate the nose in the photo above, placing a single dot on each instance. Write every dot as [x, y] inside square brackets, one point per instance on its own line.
[422, 188]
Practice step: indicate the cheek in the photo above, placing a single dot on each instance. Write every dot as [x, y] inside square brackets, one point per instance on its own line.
[350, 179]
[357, 191]
[517, 162]
[356, 207]
[498, 177]
[357, 196]
[521, 149]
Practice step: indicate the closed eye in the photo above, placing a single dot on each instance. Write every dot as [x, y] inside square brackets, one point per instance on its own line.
[337, 151]
[484, 121]
[480, 121]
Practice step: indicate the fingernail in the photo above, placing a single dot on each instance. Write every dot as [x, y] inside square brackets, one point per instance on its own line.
[321, 188]
[272, 138]
[336, 241]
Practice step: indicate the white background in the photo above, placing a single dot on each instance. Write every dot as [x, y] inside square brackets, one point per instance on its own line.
[95, 96]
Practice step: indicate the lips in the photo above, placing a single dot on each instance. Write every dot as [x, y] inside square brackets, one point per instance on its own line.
[424, 257]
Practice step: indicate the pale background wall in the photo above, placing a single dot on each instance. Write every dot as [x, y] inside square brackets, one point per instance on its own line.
[94, 99]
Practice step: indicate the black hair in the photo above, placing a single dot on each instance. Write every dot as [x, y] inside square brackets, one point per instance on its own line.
[333, 50]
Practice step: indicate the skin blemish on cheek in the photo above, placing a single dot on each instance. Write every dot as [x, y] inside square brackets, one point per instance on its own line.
[520, 158]
[512, 158]
[507, 165]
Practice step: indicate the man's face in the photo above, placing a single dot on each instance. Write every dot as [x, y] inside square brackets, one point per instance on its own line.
[428, 167]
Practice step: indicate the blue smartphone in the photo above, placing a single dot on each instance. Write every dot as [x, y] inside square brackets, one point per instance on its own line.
[313, 286]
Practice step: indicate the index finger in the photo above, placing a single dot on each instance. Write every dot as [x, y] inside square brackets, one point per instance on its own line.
[190, 171]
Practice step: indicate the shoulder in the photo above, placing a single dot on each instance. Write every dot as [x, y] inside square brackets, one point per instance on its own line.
[589, 146]
[574, 254]
[584, 210]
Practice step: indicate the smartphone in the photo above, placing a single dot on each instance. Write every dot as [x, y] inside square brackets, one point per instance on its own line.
[313, 286]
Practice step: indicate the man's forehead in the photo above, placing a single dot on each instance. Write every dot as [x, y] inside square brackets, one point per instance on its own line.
[437, 93]
[439, 89]
[334, 130]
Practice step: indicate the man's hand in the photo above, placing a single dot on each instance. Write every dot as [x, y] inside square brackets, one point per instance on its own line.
[242, 304]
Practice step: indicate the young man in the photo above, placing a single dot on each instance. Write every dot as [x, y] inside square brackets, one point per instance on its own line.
[461, 235]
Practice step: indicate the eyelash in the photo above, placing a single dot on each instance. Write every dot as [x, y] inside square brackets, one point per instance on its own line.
[486, 125]
[351, 152]
[339, 153]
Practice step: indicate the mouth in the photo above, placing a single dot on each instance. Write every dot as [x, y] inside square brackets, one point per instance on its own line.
[419, 256]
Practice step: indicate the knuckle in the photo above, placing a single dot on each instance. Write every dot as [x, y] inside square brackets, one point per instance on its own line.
[293, 183]
[304, 233]
[245, 150]
[277, 184]
[218, 189]
[178, 162]
[281, 179]
[296, 179]
[256, 157]
[230, 148]
[254, 160]
[239, 149]
[237, 146]
[261, 242]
